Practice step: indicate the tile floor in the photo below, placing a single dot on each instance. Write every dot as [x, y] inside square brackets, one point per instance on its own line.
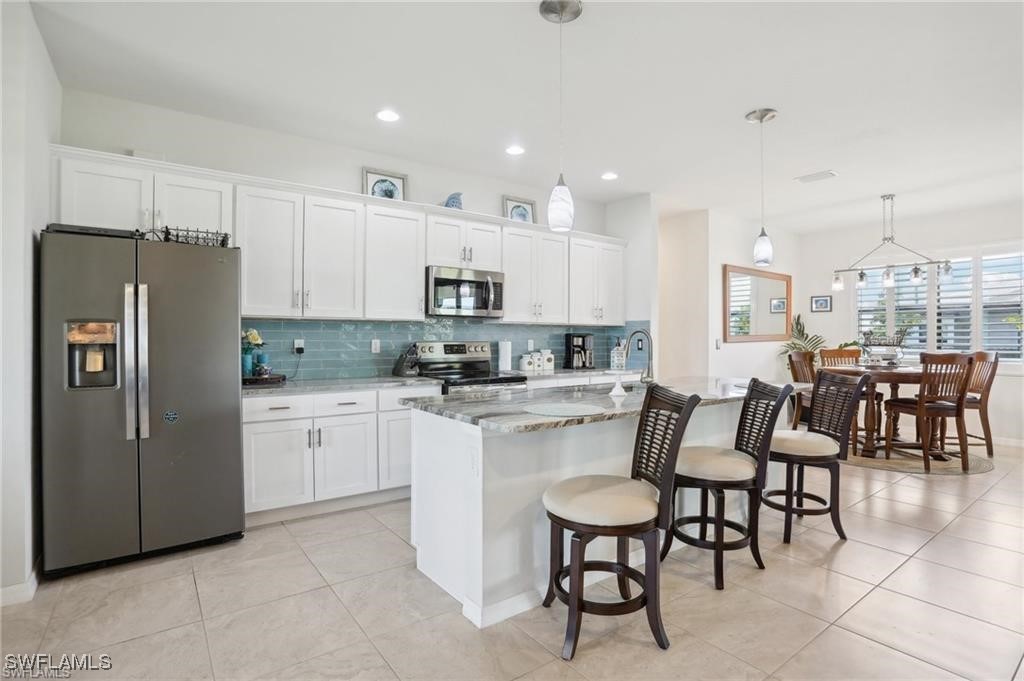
[929, 585]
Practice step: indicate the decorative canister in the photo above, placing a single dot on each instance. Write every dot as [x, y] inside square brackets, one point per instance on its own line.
[526, 364]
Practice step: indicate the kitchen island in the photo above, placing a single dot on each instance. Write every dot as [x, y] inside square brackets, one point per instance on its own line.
[481, 463]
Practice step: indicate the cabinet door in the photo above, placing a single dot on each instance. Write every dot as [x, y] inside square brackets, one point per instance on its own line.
[192, 202]
[444, 241]
[517, 258]
[394, 433]
[395, 263]
[333, 252]
[552, 262]
[105, 195]
[483, 246]
[345, 460]
[278, 460]
[611, 298]
[268, 229]
[583, 264]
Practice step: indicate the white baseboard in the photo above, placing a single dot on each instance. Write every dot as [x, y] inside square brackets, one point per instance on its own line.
[1007, 441]
[21, 593]
[277, 515]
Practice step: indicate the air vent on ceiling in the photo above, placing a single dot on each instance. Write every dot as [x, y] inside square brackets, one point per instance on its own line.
[816, 177]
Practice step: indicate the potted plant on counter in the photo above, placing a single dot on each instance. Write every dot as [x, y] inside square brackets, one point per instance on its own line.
[251, 340]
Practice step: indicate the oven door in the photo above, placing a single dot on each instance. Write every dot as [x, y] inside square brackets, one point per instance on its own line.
[455, 292]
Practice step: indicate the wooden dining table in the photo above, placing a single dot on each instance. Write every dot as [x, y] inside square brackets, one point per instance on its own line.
[879, 375]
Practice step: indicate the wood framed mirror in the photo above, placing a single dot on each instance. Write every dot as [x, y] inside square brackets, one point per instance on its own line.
[756, 305]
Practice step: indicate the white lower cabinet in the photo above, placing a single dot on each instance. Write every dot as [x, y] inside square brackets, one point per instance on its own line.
[345, 455]
[394, 453]
[278, 457]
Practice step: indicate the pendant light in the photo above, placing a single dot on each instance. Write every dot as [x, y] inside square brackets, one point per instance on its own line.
[837, 282]
[763, 251]
[561, 210]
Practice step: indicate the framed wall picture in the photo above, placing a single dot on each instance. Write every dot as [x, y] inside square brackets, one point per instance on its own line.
[777, 305]
[520, 210]
[821, 303]
[384, 184]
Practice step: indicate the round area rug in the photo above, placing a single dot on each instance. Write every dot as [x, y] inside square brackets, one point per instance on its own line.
[906, 462]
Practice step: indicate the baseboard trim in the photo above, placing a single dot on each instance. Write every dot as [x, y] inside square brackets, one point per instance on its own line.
[21, 593]
[1007, 441]
[277, 515]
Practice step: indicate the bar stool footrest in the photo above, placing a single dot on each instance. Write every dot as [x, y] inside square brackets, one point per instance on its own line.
[638, 602]
[730, 545]
[797, 510]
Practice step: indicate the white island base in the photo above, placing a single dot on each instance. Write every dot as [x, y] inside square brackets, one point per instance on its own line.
[478, 525]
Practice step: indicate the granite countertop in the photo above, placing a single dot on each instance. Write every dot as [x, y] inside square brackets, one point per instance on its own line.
[331, 385]
[504, 412]
[568, 372]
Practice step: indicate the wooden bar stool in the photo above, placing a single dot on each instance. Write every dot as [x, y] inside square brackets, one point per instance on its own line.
[592, 506]
[801, 368]
[839, 357]
[714, 470]
[824, 443]
[982, 377]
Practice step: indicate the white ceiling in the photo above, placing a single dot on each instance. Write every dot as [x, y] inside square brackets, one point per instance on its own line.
[923, 100]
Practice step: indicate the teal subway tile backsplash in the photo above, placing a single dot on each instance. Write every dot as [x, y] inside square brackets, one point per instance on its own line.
[341, 349]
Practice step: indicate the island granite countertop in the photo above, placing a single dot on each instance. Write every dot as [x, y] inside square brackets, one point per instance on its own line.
[505, 411]
[337, 385]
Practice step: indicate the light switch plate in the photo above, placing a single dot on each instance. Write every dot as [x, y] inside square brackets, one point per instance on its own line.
[375, 346]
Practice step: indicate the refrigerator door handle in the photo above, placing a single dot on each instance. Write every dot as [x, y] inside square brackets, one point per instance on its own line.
[130, 374]
[143, 361]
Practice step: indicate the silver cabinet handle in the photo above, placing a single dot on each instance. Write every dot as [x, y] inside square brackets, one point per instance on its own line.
[143, 361]
[295, 298]
[419, 307]
[130, 375]
[463, 256]
[309, 438]
[319, 437]
[309, 297]
[347, 404]
[277, 408]
[540, 309]
[471, 254]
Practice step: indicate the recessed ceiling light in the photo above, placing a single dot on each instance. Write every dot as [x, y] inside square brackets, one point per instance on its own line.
[609, 176]
[515, 150]
[387, 115]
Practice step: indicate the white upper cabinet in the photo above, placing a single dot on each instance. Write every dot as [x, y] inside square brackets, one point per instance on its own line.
[268, 229]
[453, 242]
[395, 263]
[334, 250]
[105, 195]
[596, 283]
[536, 267]
[192, 203]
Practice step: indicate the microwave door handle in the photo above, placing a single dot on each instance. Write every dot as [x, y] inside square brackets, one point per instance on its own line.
[490, 294]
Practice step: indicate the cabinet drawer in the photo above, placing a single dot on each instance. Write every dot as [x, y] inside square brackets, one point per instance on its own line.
[389, 398]
[276, 408]
[335, 404]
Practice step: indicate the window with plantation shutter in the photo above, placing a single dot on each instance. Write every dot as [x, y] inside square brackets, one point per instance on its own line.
[953, 308]
[871, 305]
[1001, 304]
[911, 310]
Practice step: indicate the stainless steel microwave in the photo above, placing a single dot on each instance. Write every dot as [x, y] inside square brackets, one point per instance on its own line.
[455, 292]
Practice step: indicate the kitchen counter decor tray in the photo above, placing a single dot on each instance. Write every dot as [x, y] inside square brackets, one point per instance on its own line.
[260, 381]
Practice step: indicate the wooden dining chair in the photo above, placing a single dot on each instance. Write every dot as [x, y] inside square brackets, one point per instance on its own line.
[943, 393]
[801, 368]
[982, 377]
[840, 357]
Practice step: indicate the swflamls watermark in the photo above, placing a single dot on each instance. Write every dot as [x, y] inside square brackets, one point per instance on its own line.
[46, 666]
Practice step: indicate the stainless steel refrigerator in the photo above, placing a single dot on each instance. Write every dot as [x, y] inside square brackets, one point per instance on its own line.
[141, 396]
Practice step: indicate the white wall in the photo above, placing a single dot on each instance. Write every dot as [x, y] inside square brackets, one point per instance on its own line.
[115, 125]
[999, 226]
[31, 121]
[682, 295]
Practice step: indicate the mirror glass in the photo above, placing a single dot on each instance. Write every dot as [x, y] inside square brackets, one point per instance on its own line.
[756, 305]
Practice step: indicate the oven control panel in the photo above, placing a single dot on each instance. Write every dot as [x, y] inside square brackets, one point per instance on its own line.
[453, 352]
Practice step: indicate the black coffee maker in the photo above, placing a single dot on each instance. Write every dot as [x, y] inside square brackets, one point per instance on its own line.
[579, 351]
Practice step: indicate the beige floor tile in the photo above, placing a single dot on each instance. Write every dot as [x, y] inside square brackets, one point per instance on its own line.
[547, 625]
[631, 653]
[920, 496]
[94, 617]
[361, 555]
[814, 590]
[881, 533]
[996, 513]
[22, 625]
[178, 653]
[276, 635]
[678, 578]
[877, 474]
[357, 662]
[131, 573]
[758, 630]
[980, 559]
[1010, 497]
[856, 559]
[450, 647]
[394, 598]
[995, 534]
[322, 529]
[842, 655]
[921, 517]
[255, 580]
[556, 670]
[396, 516]
[979, 597]
[258, 543]
[946, 639]
[967, 486]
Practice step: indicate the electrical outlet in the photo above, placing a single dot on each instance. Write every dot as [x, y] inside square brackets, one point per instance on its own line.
[299, 346]
[639, 344]
[529, 345]
[375, 346]
[718, 344]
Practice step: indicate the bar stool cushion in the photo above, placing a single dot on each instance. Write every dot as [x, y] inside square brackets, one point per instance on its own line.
[715, 463]
[604, 500]
[802, 443]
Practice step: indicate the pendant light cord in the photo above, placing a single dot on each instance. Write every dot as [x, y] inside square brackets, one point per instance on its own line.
[561, 68]
[761, 126]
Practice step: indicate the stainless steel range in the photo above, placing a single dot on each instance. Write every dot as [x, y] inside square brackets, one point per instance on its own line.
[464, 367]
